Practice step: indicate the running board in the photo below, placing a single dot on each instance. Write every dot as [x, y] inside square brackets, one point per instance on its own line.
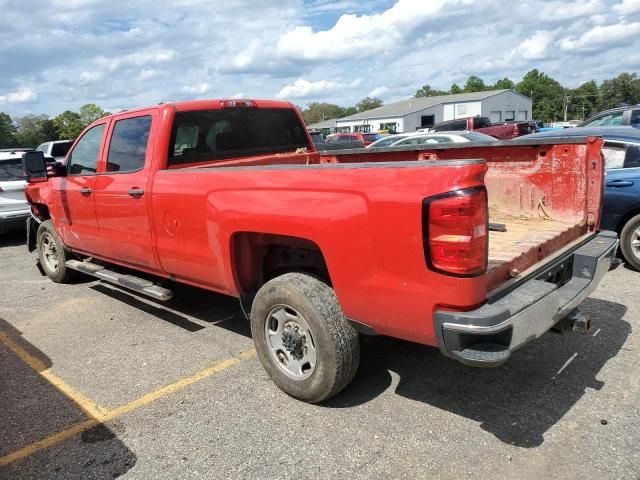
[136, 284]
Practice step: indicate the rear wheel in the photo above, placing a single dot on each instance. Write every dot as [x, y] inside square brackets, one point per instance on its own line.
[630, 242]
[52, 254]
[303, 339]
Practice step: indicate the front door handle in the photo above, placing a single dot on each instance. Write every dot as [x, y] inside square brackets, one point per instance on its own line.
[136, 192]
[620, 183]
[86, 191]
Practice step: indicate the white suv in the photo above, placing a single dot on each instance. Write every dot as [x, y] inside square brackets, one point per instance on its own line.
[14, 208]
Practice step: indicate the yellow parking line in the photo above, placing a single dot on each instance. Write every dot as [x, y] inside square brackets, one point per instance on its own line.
[86, 404]
[102, 415]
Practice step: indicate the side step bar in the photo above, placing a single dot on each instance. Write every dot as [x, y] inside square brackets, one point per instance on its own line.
[136, 284]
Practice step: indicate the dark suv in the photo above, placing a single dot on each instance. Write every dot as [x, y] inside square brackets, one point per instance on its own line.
[615, 117]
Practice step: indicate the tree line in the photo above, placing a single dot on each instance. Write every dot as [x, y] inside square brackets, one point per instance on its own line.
[550, 99]
[32, 130]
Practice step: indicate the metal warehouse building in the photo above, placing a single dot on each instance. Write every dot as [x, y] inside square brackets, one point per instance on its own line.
[414, 113]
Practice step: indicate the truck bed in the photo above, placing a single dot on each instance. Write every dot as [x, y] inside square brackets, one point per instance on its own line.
[524, 235]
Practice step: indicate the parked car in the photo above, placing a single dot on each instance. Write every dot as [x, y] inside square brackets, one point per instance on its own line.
[231, 196]
[502, 131]
[615, 117]
[621, 204]
[444, 137]
[57, 149]
[318, 139]
[14, 208]
[364, 138]
[389, 140]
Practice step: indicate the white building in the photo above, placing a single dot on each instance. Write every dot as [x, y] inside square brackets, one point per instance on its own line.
[414, 113]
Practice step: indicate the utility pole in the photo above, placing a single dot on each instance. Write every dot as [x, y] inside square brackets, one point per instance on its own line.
[566, 106]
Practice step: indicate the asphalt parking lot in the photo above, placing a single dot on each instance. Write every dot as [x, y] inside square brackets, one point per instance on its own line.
[96, 382]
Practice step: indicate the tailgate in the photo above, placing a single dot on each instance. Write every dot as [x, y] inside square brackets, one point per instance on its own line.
[544, 195]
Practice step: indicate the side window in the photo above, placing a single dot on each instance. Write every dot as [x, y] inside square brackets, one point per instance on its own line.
[613, 154]
[458, 125]
[635, 118]
[128, 145]
[84, 157]
[608, 120]
[632, 159]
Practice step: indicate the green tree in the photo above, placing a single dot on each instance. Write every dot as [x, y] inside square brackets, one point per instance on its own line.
[504, 84]
[68, 124]
[7, 131]
[584, 100]
[625, 88]
[318, 112]
[455, 89]
[547, 94]
[91, 112]
[348, 111]
[368, 103]
[474, 84]
[32, 130]
[427, 91]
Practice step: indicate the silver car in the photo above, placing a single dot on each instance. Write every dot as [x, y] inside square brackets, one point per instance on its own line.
[14, 208]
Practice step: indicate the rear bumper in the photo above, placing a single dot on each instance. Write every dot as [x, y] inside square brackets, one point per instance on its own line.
[487, 336]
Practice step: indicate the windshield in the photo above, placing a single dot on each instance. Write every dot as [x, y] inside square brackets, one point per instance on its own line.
[234, 132]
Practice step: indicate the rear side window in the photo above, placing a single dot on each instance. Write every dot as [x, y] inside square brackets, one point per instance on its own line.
[11, 170]
[481, 122]
[613, 154]
[233, 133]
[632, 159]
[128, 145]
[84, 157]
[458, 125]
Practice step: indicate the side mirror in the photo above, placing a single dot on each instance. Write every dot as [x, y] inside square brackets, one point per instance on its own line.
[34, 167]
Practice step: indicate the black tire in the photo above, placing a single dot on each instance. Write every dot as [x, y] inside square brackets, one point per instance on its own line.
[336, 341]
[627, 236]
[46, 235]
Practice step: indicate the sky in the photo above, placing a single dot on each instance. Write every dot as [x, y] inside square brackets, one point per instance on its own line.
[57, 55]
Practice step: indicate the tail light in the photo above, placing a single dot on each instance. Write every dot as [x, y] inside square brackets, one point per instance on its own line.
[237, 103]
[455, 232]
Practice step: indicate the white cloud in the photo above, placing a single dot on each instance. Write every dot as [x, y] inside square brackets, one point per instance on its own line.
[535, 47]
[627, 7]
[303, 89]
[197, 89]
[354, 36]
[378, 91]
[239, 95]
[22, 95]
[602, 36]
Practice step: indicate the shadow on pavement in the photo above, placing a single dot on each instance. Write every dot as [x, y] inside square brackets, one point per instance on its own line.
[517, 402]
[13, 238]
[33, 409]
[187, 303]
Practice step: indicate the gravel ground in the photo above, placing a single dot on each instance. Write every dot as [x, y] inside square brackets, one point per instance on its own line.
[562, 407]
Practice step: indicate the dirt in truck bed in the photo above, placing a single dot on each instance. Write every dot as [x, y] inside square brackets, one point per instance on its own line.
[523, 234]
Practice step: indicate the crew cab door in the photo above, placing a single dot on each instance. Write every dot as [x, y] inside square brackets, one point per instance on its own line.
[75, 213]
[121, 193]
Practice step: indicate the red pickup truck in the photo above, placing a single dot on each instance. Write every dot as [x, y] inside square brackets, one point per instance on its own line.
[476, 249]
[502, 131]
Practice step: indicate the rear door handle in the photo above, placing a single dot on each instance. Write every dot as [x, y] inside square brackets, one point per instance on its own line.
[620, 183]
[136, 192]
[86, 191]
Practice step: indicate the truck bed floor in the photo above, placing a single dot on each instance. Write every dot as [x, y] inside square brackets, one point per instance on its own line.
[523, 235]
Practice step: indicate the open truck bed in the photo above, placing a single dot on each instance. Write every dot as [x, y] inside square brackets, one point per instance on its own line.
[545, 192]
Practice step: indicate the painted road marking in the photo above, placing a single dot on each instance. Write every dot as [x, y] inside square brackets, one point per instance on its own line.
[100, 414]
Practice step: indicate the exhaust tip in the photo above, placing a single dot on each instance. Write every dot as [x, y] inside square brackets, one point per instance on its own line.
[580, 323]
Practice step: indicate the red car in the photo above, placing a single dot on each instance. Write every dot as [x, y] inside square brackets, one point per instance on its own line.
[474, 250]
[364, 138]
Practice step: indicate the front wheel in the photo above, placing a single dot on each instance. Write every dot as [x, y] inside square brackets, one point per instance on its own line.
[52, 253]
[630, 242]
[302, 337]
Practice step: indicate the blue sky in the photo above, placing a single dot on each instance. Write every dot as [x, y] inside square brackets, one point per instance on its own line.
[59, 54]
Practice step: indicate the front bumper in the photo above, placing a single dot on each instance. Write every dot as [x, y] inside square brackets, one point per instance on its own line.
[487, 336]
